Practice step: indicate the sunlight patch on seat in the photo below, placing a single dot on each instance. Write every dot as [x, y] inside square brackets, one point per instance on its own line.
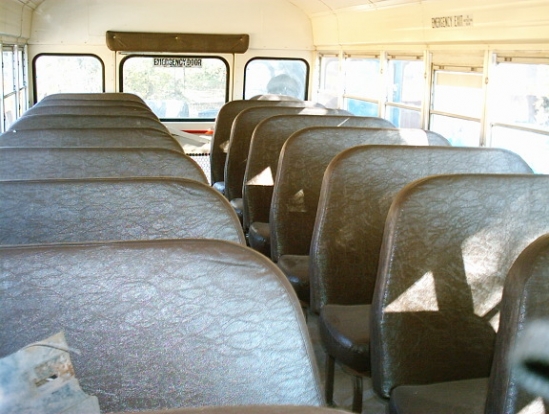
[297, 203]
[264, 178]
[481, 264]
[535, 407]
[343, 122]
[419, 297]
[494, 321]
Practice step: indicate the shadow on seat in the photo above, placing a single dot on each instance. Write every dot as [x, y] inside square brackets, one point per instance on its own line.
[163, 324]
[357, 190]
[525, 296]
[449, 242]
[79, 210]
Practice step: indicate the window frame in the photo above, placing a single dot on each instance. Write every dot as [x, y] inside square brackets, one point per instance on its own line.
[20, 79]
[177, 56]
[35, 83]
[273, 58]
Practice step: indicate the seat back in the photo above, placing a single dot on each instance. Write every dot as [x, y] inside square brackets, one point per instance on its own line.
[163, 324]
[222, 130]
[525, 296]
[40, 163]
[90, 137]
[79, 210]
[92, 102]
[72, 121]
[357, 190]
[91, 110]
[267, 140]
[241, 136]
[105, 96]
[303, 160]
[448, 244]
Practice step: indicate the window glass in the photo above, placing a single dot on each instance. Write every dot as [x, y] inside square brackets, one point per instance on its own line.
[406, 82]
[362, 77]
[520, 94]
[177, 87]
[22, 82]
[328, 91]
[276, 76]
[10, 111]
[403, 118]
[532, 147]
[459, 132]
[458, 93]
[67, 73]
[7, 71]
[361, 108]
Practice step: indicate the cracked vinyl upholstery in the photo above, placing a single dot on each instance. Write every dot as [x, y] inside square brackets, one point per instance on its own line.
[222, 130]
[40, 163]
[29, 122]
[268, 138]
[448, 244]
[358, 188]
[90, 137]
[163, 324]
[241, 134]
[50, 211]
[303, 160]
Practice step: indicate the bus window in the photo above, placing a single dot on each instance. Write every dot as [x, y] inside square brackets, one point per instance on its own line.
[328, 76]
[362, 86]
[178, 87]
[67, 73]
[276, 76]
[405, 92]
[456, 105]
[519, 111]
[15, 89]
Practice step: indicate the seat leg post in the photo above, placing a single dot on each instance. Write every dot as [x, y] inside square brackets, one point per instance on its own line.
[357, 394]
[329, 383]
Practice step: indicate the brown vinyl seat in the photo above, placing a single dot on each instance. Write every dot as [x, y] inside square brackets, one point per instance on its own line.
[90, 137]
[357, 190]
[40, 163]
[222, 131]
[448, 245]
[71, 121]
[72, 109]
[267, 140]
[525, 296]
[239, 144]
[104, 96]
[303, 161]
[81, 210]
[163, 324]
[125, 103]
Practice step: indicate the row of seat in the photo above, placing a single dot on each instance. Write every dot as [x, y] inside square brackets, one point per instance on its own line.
[405, 245]
[143, 266]
[450, 238]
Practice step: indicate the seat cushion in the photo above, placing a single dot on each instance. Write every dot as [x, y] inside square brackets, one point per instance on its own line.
[345, 334]
[296, 269]
[456, 397]
[219, 186]
[259, 237]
